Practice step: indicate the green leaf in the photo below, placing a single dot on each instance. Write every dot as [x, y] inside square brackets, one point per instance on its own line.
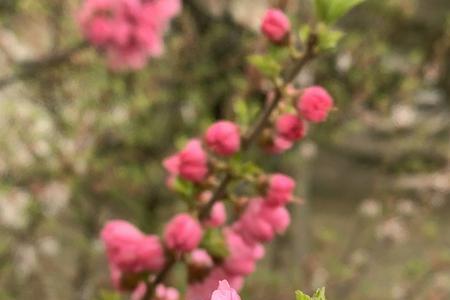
[322, 8]
[319, 294]
[328, 39]
[329, 11]
[214, 242]
[267, 65]
[303, 33]
[299, 295]
[245, 111]
[184, 187]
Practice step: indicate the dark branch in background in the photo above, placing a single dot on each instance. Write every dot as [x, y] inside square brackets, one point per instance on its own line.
[204, 18]
[249, 138]
[28, 69]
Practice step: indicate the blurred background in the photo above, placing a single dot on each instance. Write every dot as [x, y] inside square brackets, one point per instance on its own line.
[80, 145]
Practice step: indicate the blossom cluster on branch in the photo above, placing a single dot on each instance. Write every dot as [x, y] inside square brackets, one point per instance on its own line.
[234, 207]
[127, 31]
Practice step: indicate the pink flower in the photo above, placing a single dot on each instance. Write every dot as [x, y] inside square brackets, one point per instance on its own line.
[139, 292]
[252, 226]
[202, 290]
[290, 127]
[127, 31]
[280, 189]
[200, 259]
[130, 250]
[225, 292]
[166, 293]
[275, 25]
[223, 138]
[218, 215]
[277, 217]
[190, 163]
[279, 145]
[242, 256]
[315, 104]
[150, 253]
[183, 233]
[260, 222]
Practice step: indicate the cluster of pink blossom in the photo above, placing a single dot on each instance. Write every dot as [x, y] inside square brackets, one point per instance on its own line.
[131, 252]
[313, 105]
[202, 164]
[261, 219]
[127, 31]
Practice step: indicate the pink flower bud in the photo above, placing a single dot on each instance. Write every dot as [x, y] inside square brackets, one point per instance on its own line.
[202, 290]
[275, 25]
[315, 104]
[139, 292]
[100, 31]
[223, 138]
[280, 189]
[242, 255]
[150, 253]
[225, 292]
[190, 163]
[260, 222]
[166, 293]
[183, 233]
[290, 127]
[278, 217]
[218, 215]
[279, 145]
[130, 250]
[252, 226]
[200, 259]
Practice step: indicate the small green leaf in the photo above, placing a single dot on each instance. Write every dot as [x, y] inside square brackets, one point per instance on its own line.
[184, 187]
[303, 33]
[339, 8]
[319, 294]
[214, 242]
[328, 38]
[322, 8]
[267, 65]
[329, 11]
[299, 295]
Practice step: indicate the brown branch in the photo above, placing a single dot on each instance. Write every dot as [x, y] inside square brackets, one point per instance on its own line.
[29, 68]
[249, 138]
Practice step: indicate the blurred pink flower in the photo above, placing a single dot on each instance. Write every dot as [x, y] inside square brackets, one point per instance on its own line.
[260, 222]
[290, 127]
[127, 31]
[225, 292]
[190, 163]
[218, 215]
[275, 25]
[223, 138]
[279, 190]
[242, 256]
[166, 293]
[278, 145]
[130, 250]
[203, 290]
[183, 233]
[314, 104]
[200, 259]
